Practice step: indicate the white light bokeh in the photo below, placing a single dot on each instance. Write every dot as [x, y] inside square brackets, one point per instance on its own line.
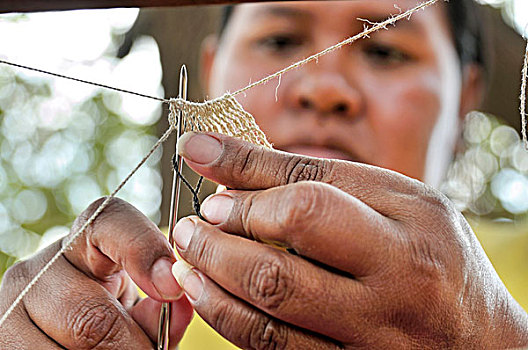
[51, 235]
[127, 149]
[484, 161]
[19, 242]
[3, 179]
[515, 11]
[5, 219]
[502, 139]
[28, 206]
[81, 35]
[520, 15]
[511, 188]
[489, 177]
[60, 145]
[81, 191]
[55, 114]
[139, 71]
[519, 158]
[142, 190]
[478, 127]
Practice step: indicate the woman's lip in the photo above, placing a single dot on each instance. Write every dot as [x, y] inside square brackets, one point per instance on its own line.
[319, 152]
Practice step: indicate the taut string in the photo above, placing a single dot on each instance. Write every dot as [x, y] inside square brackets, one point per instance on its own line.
[524, 97]
[218, 115]
[66, 244]
[364, 34]
[83, 81]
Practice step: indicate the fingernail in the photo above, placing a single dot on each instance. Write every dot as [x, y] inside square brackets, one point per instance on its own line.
[164, 281]
[192, 284]
[183, 232]
[216, 209]
[199, 148]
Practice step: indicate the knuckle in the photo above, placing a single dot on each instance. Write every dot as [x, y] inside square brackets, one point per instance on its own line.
[223, 317]
[303, 203]
[201, 250]
[268, 335]
[14, 279]
[436, 203]
[251, 330]
[439, 201]
[141, 249]
[113, 205]
[427, 267]
[270, 282]
[429, 277]
[306, 169]
[246, 160]
[246, 215]
[94, 324]
[16, 274]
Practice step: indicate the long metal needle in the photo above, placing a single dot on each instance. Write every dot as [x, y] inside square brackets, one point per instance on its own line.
[165, 314]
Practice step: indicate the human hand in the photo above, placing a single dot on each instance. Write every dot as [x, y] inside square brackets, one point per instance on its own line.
[87, 299]
[384, 261]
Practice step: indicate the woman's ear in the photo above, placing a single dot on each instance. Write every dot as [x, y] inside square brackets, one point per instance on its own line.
[473, 88]
[208, 53]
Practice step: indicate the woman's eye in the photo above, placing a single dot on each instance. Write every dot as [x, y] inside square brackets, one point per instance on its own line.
[280, 43]
[386, 55]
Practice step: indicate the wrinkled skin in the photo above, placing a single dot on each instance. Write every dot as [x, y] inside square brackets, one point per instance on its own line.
[394, 100]
[383, 261]
[88, 298]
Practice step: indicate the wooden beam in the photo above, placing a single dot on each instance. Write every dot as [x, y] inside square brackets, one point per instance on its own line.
[59, 5]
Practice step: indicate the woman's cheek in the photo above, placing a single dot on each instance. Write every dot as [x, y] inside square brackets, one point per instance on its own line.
[413, 102]
[404, 120]
[263, 107]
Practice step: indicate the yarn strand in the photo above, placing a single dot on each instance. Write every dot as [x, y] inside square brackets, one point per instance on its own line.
[67, 244]
[364, 34]
[223, 114]
[524, 98]
[83, 81]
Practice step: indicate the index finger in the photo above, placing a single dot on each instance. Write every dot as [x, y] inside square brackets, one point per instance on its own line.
[123, 238]
[318, 221]
[241, 165]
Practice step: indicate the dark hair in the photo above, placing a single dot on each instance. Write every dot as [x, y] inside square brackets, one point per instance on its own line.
[469, 33]
[227, 11]
[467, 23]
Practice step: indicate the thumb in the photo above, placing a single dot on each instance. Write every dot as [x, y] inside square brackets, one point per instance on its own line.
[242, 165]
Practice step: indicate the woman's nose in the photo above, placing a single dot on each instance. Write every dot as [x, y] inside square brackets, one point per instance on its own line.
[326, 93]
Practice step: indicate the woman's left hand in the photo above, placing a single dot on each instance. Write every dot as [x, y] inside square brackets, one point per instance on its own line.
[383, 261]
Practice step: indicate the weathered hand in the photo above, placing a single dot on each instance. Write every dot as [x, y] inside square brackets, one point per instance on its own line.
[384, 261]
[87, 300]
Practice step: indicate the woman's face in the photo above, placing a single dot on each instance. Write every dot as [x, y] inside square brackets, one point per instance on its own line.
[393, 100]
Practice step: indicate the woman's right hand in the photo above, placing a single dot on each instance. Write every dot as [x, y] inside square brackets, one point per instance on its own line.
[88, 298]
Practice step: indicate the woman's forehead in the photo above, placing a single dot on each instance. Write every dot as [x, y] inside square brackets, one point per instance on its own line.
[350, 11]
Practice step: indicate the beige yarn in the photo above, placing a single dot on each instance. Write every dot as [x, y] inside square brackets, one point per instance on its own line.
[224, 115]
[524, 97]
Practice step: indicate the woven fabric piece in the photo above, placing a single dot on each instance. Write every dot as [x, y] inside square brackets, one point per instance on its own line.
[223, 115]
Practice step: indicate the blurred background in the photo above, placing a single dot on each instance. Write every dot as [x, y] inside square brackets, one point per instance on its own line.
[64, 144]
